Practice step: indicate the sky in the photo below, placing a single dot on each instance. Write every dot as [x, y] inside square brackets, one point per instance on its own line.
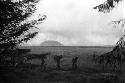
[76, 23]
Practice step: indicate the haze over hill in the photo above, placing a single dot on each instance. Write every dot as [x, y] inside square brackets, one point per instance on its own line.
[51, 43]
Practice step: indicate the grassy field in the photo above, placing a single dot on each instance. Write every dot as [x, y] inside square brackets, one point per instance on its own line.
[87, 72]
[83, 52]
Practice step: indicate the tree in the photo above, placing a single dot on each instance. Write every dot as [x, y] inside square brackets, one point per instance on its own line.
[14, 25]
[118, 52]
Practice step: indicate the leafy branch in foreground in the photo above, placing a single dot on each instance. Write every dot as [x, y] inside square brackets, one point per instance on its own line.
[107, 6]
[15, 28]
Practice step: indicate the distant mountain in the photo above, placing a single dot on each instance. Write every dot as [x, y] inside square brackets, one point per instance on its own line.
[51, 43]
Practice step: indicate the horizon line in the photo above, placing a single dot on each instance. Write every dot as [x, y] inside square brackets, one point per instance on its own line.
[70, 46]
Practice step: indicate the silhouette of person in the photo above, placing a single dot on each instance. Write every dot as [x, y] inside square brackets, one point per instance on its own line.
[57, 60]
[74, 63]
[43, 65]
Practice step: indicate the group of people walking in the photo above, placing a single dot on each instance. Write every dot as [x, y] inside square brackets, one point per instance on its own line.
[57, 59]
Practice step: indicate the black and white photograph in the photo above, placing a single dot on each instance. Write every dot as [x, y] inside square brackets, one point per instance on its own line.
[62, 41]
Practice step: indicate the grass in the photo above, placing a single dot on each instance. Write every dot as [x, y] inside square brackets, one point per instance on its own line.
[61, 76]
[87, 71]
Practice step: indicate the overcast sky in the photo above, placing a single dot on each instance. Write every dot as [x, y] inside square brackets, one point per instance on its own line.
[74, 22]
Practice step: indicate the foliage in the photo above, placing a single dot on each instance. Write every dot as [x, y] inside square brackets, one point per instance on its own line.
[15, 28]
[116, 56]
[107, 6]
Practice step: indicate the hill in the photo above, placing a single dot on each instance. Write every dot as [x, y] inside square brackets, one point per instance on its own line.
[51, 43]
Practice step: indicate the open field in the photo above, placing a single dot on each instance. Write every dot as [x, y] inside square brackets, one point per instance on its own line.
[87, 72]
[83, 52]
